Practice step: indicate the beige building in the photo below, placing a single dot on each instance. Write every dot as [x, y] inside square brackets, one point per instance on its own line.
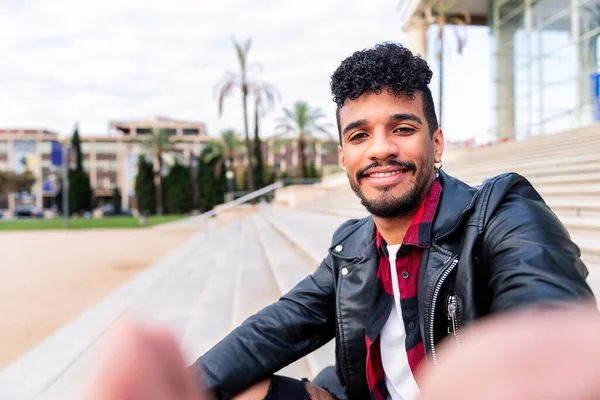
[111, 161]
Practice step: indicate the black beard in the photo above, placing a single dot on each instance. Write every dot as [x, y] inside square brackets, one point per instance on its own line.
[386, 205]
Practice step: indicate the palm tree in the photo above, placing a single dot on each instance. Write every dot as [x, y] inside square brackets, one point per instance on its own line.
[233, 81]
[157, 144]
[305, 123]
[265, 97]
[231, 145]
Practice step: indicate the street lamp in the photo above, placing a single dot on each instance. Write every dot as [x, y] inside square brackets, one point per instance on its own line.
[230, 175]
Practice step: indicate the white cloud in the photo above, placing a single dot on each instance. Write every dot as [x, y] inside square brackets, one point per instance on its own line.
[95, 60]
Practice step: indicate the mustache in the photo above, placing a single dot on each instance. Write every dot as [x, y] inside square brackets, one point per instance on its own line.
[394, 163]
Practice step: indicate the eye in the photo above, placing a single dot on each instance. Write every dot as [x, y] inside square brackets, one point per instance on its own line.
[357, 136]
[404, 130]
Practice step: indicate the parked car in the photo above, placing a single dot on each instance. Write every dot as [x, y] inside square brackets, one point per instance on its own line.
[28, 211]
[1, 214]
[108, 210]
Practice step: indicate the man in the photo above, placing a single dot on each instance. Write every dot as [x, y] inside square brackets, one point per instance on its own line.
[458, 253]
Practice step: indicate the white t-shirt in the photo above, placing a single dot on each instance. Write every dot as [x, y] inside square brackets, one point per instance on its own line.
[399, 379]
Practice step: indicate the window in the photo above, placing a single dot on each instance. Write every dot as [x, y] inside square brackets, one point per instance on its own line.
[86, 165]
[112, 165]
[143, 131]
[46, 163]
[86, 147]
[170, 131]
[3, 146]
[46, 147]
[106, 147]
[191, 131]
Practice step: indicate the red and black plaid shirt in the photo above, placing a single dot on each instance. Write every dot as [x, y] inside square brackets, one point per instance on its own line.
[418, 237]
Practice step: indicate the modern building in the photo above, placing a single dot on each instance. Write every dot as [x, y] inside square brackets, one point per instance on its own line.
[545, 55]
[111, 160]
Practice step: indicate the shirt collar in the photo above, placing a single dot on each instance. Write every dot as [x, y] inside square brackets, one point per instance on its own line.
[419, 231]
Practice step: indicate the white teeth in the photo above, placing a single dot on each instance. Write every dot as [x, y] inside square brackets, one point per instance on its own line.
[384, 174]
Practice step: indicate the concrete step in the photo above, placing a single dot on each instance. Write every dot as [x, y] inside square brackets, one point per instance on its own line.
[62, 360]
[574, 206]
[465, 168]
[170, 302]
[587, 225]
[288, 267]
[546, 171]
[310, 232]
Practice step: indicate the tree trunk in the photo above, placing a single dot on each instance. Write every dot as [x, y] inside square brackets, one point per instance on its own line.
[159, 198]
[248, 144]
[301, 149]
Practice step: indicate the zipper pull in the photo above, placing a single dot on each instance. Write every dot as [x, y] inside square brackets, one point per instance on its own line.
[452, 315]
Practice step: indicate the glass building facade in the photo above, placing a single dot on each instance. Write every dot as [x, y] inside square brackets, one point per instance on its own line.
[545, 54]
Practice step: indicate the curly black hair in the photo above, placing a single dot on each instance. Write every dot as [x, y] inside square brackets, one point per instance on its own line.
[388, 65]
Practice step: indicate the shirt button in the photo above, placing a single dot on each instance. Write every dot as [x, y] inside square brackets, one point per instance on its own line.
[411, 325]
[344, 271]
[405, 274]
[338, 248]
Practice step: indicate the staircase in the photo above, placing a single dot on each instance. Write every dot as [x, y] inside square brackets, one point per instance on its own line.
[224, 274]
[564, 169]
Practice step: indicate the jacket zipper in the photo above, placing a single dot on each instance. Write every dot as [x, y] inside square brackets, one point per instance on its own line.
[436, 293]
[452, 317]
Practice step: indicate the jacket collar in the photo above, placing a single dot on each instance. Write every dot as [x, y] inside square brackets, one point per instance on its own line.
[456, 201]
[354, 238]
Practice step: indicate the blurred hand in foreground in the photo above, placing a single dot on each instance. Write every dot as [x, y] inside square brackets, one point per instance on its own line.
[144, 363]
[533, 355]
[549, 355]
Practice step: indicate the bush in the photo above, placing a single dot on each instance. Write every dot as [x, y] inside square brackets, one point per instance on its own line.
[179, 191]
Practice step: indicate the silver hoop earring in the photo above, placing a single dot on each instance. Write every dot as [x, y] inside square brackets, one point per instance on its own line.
[438, 166]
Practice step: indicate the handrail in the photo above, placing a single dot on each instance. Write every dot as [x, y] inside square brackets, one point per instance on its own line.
[227, 206]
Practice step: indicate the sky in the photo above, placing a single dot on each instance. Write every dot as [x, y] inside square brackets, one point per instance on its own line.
[92, 61]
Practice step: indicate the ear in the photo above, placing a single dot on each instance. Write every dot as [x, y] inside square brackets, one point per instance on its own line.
[341, 157]
[438, 145]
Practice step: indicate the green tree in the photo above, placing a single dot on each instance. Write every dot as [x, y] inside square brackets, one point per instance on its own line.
[247, 87]
[211, 176]
[157, 144]
[145, 189]
[305, 123]
[80, 189]
[179, 191]
[117, 200]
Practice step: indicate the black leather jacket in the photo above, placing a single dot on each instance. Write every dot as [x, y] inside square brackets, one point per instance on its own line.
[494, 248]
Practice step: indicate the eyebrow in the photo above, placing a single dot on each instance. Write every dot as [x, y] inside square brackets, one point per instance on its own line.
[406, 117]
[353, 125]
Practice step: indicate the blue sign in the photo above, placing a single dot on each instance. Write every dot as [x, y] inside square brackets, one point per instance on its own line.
[57, 154]
[596, 78]
[48, 187]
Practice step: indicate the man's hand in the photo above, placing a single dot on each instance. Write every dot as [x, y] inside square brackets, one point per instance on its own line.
[550, 355]
[144, 363]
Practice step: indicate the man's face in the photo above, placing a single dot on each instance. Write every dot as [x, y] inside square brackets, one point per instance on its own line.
[387, 151]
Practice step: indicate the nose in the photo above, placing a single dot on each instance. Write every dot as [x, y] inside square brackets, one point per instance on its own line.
[382, 147]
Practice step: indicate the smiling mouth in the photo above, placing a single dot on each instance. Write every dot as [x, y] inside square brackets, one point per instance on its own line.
[384, 174]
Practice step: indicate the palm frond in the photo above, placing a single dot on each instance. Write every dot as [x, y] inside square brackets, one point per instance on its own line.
[224, 92]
